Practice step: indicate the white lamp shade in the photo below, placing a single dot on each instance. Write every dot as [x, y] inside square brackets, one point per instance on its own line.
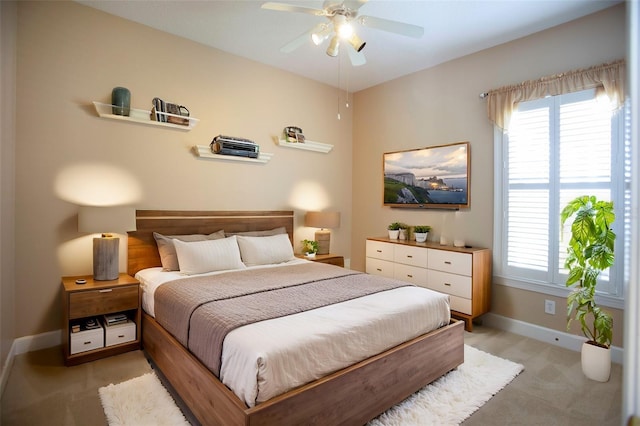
[116, 219]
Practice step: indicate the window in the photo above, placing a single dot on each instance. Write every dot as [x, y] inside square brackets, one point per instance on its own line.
[557, 148]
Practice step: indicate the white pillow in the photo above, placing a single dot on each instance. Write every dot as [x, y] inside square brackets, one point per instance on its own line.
[198, 257]
[265, 250]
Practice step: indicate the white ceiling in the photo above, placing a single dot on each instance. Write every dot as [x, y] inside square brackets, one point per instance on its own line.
[453, 28]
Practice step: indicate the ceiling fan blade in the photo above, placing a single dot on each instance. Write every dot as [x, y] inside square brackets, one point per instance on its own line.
[300, 40]
[401, 28]
[357, 58]
[282, 7]
[354, 4]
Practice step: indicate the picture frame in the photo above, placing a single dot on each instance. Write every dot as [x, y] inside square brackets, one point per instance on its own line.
[431, 177]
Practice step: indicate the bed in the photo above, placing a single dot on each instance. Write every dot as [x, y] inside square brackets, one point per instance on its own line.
[353, 394]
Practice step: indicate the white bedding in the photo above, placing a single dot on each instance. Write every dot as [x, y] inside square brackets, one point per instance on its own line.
[265, 359]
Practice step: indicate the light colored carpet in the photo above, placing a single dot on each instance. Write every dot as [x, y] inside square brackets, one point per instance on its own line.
[447, 401]
[142, 401]
[456, 395]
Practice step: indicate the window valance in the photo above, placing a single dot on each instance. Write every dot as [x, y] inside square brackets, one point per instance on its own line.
[610, 78]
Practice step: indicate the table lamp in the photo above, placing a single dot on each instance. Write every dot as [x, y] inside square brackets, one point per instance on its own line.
[106, 220]
[322, 220]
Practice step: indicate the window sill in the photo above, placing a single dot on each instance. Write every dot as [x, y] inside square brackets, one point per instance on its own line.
[553, 290]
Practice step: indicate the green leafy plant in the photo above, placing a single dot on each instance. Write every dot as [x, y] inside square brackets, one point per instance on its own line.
[309, 246]
[395, 226]
[590, 251]
[421, 229]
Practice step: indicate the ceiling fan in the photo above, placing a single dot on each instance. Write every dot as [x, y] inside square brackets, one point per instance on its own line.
[341, 15]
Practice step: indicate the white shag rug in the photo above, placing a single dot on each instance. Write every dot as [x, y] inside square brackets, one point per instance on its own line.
[447, 401]
[142, 401]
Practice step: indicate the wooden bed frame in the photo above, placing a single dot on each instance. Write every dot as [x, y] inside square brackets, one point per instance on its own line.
[353, 395]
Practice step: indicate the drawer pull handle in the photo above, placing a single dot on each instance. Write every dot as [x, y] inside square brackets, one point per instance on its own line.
[106, 290]
[378, 269]
[87, 343]
[409, 275]
[446, 262]
[410, 257]
[447, 284]
[120, 336]
[379, 251]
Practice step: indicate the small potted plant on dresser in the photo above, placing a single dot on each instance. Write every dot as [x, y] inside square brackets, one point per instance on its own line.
[309, 248]
[394, 230]
[421, 232]
[589, 252]
[404, 231]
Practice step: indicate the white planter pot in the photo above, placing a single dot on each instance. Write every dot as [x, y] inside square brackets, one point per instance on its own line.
[596, 362]
[420, 237]
[402, 234]
[393, 235]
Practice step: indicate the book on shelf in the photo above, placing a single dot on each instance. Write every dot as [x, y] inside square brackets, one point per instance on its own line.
[113, 319]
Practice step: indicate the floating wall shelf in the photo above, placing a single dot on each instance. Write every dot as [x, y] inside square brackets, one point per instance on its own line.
[307, 145]
[142, 116]
[204, 151]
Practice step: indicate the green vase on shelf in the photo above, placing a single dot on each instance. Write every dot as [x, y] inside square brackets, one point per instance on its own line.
[121, 101]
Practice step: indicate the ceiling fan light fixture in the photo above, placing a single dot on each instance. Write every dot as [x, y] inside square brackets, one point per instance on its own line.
[356, 42]
[334, 45]
[319, 36]
[345, 31]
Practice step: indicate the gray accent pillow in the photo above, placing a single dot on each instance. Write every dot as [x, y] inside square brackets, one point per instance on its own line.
[267, 233]
[167, 250]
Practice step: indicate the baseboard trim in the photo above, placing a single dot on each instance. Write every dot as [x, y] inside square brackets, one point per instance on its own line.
[37, 342]
[543, 334]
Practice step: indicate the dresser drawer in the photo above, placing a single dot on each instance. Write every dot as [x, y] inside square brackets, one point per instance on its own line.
[379, 250]
[379, 267]
[95, 302]
[416, 256]
[411, 274]
[460, 304]
[87, 340]
[120, 333]
[456, 285]
[449, 261]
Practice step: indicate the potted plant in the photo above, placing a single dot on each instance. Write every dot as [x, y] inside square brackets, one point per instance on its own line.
[403, 231]
[421, 232]
[590, 251]
[309, 248]
[394, 230]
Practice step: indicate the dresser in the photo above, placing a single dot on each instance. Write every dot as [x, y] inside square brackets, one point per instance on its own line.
[462, 273]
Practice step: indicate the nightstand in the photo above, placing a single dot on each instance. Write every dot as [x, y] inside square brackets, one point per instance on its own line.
[332, 259]
[94, 299]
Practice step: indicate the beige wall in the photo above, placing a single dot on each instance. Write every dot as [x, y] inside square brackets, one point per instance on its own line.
[441, 105]
[7, 171]
[70, 55]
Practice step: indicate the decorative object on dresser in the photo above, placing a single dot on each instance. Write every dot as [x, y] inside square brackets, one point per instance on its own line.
[463, 273]
[84, 337]
[421, 232]
[417, 179]
[106, 220]
[394, 230]
[322, 220]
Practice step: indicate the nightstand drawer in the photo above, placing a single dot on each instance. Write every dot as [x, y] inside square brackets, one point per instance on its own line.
[96, 302]
[87, 340]
[120, 333]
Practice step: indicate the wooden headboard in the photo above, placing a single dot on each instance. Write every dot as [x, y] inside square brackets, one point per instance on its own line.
[142, 248]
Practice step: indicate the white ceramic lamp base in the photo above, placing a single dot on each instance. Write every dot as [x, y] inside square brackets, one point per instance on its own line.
[105, 258]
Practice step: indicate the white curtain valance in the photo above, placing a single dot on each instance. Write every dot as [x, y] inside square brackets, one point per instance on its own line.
[610, 78]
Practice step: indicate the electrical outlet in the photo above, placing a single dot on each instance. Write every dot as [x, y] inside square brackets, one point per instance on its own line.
[550, 307]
